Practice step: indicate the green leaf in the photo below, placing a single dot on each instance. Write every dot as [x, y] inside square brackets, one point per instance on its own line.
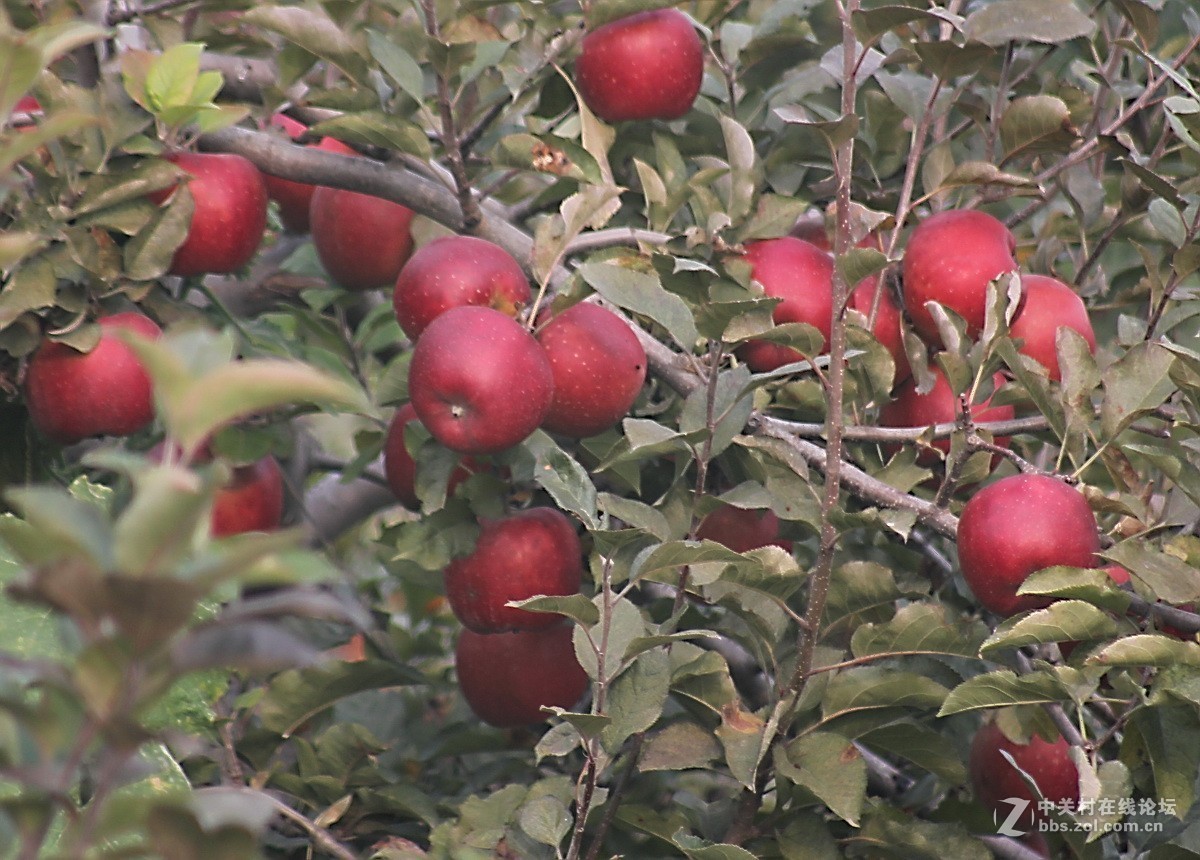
[679, 746]
[643, 293]
[172, 77]
[1077, 583]
[312, 29]
[296, 696]
[1168, 221]
[1062, 621]
[635, 513]
[397, 64]
[574, 606]
[1156, 732]
[833, 132]
[148, 255]
[663, 561]
[1136, 383]
[1148, 649]
[546, 819]
[1036, 124]
[898, 834]
[636, 699]
[921, 745]
[832, 768]
[873, 687]
[1169, 577]
[547, 153]
[869, 24]
[1048, 21]
[376, 128]
[1002, 688]
[695, 848]
[744, 737]
[924, 627]
[560, 475]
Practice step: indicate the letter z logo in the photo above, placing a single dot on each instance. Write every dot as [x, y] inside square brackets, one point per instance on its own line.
[1008, 827]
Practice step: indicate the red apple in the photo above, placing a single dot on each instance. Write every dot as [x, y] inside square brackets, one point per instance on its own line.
[1049, 305]
[294, 197]
[230, 213]
[401, 469]
[252, 501]
[599, 367]
[535, 551]
[887, 329]
[950, 258]
[362, 241]
[479, 381]
[801, 274]
[453, 271]
[939, 406]
[1018, 525]
[643, 66]
[507, 678]
[742, 529]
[73, 395]
[994, 779]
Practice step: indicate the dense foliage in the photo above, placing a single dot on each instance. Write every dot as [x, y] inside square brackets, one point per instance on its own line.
[807, 691]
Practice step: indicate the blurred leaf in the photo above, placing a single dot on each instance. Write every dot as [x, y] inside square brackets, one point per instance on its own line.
[872, 23]
[1002, 688]
[64, 526]
[252, 646]
[1062, 621]
[546, 819]
[1049, 21]
[312, 29]
[295, 696]
[1168, 221]
[155, 531]
[695, 848]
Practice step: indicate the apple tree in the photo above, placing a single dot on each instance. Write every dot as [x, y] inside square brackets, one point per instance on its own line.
[783, 443]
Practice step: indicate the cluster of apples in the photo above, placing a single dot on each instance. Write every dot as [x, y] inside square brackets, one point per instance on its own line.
[72, 396]
[480, 383]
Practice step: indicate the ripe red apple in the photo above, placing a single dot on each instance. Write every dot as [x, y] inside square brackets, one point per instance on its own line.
[1049, 305]
[106, 392]
[294, 197]
[1016, 526]
[530, 552]
[887, 328]
[644, 66]
[507, 678]
[950, 258]
[362, 241]
[401, 469]
[994, 779]
[230, 213]
[801, 274]
[742, 529]
[252, 501]
[939, 406]
[479, 381]
[599, 367]
[453, 271]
